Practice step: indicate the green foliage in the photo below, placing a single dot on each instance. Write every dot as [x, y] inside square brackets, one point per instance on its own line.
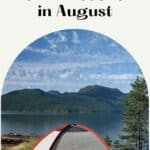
[136, 114]
[108, 140]
[87, 100]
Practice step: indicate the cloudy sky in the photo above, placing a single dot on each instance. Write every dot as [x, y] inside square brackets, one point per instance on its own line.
[71, 59]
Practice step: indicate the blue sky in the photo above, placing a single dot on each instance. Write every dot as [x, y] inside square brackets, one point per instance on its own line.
[71, 59]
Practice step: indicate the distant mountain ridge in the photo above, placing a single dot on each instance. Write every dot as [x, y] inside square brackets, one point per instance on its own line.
[89, 99]
[101, 92]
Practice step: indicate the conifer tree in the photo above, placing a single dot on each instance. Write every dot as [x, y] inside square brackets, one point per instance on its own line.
[136, 115]
[108, 140]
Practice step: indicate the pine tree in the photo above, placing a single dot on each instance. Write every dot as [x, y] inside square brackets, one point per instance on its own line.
[108, 140]
[136, 115]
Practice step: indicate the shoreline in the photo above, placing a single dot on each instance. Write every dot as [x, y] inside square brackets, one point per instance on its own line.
[13, 141]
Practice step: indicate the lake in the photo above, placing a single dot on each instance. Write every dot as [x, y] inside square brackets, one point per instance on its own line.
[39, 124]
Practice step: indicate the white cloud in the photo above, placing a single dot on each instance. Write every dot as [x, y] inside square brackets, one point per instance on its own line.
[81, 76]
[75, 38]
[66, 74]
[37, 71]
[64, 69]
[51, 42]
[82, 55]
[59, 85]
[61, 37]
[38, 50]
[113, 45]
[113, 76]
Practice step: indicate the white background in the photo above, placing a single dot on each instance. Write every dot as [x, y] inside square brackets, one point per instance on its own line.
[20, 25]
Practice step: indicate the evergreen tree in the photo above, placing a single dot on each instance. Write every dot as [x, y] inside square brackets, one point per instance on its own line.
[108, 140]
[136, 115]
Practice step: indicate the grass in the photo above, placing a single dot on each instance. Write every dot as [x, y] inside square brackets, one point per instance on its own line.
[22, 146]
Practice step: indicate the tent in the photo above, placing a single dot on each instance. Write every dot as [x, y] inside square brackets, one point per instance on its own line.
[71, 137]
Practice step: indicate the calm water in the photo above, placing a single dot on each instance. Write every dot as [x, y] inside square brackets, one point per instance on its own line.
[40, 124]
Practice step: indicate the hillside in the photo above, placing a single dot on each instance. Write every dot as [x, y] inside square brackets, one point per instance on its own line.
[86, 100]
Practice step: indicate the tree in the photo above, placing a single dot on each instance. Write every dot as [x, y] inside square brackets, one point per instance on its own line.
[108, 140]
[136, 114]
